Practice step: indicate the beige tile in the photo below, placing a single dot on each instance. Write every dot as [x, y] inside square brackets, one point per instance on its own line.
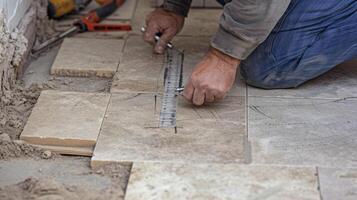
[214, 133]
[340, 82]
[338, 183]
[67, 121]
[200, 22]
[195, 49]
[142, 71]
[139, 70]
[88, 57]
[303, 131]
[214, 181]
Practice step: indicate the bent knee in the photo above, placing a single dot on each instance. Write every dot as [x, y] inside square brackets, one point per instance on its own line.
[271, 80]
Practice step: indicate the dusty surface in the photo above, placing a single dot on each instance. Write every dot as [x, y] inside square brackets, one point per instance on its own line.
[60, 179]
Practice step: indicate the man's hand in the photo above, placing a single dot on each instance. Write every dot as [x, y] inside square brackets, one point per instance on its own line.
[212, 78]
[164, 22]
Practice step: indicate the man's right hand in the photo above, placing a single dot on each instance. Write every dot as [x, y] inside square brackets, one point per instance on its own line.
[165, 22]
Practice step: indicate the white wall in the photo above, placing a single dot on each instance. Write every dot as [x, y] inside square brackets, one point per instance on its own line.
[14, 10]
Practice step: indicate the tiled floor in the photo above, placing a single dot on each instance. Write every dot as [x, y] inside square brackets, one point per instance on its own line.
[289, 144]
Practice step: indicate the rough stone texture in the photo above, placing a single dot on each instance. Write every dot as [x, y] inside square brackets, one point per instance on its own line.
[303, 131]
[139, 70]
[214, 133]
[340, 82]
[66, 119]
[199, 181]
[338, 183]
[142, 71]
[88, 57]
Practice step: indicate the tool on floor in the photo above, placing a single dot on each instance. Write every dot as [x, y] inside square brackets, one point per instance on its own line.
[60, 8]
[157, 37]
[90, 22]
[173, 86]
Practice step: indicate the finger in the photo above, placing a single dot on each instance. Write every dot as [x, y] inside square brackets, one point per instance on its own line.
[198, 97]
[166, 37]
[209, 97]
[151, 30]
[188, 91]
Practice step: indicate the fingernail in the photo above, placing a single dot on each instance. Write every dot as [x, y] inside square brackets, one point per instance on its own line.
[159, 49]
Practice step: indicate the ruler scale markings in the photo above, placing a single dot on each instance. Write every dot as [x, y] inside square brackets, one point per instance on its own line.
[172, 81]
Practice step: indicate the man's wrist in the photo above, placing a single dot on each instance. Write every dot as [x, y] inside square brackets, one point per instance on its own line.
[226, 58]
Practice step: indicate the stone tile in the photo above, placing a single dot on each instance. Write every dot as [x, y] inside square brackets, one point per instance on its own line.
[338, 183]
[200, 22]
[214, 133]
[124, 12]
[195, 49]
[88, 57]
[340, 82]
[140, 69]
[67, 122]
[215, 181]
[303, 131]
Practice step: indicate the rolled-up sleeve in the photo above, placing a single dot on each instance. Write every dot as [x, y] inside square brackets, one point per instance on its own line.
[245, 24]
[180, 7]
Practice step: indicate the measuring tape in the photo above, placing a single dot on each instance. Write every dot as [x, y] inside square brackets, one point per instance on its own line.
[173, 87]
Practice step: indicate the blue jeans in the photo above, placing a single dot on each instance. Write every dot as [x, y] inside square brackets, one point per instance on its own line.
[312, 37]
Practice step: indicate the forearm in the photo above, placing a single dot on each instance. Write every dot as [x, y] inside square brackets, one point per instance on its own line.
[180, 7]
[245, 24]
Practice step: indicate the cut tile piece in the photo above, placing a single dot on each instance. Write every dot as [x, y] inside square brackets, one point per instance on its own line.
[215, 181]
[338, 183]
[139, 70]
[88, 57]
[303, 131]
[214, 133]
[66, 122]
[212, 4]
[340, 82]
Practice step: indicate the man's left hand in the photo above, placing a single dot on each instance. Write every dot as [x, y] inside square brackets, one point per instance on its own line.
[212, 78]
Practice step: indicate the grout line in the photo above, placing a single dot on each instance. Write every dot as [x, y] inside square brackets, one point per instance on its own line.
[101, 125]
[127, 183]
[307, 98]
[319, 182]
[247, 145]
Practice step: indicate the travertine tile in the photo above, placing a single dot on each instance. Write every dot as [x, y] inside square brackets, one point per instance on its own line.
[88, 57]
[338, 183]
[213, 181]
[340, 82]
[195, 49]
[303, 131]
[66, 122]
[215, 133]
[140, 69]
[200, 22]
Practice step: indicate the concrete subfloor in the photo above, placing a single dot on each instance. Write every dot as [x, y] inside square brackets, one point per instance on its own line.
[307, 134]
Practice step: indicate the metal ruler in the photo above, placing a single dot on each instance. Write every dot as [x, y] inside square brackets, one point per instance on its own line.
[173, 86]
